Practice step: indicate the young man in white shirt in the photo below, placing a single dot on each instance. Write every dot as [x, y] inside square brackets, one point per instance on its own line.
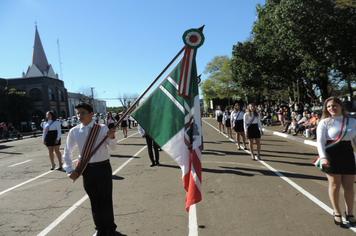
[97, 176]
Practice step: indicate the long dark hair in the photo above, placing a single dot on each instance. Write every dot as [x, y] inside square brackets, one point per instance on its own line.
[107, 116]
[54, 117]
[240, 107]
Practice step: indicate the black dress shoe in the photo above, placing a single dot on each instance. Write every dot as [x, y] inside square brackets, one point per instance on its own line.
[157, 163]
[152, 164]
[352, 223]
[111, 233]
[339, 224]
[100, 233]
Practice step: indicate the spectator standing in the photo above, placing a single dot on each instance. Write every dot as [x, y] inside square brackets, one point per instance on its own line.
[11, 129]
[280, 115]
[347, 104]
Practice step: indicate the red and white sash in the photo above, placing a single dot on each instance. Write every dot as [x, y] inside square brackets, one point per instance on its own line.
[47, 128]
[252, 119]
[88, 147]
[238, 114]
[343, 132]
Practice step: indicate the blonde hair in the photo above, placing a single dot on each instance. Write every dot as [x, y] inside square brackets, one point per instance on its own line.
[248, 111]
[326, 114]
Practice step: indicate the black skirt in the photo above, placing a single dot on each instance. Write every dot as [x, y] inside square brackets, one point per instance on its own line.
[341, 158]
[51, 138]
[228, 123]
[111, 125]
[253, 131]
[239, 126]
[220, 118]
[124, 123]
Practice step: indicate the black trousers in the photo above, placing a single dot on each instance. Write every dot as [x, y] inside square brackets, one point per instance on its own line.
[97, 182]
[151, 143]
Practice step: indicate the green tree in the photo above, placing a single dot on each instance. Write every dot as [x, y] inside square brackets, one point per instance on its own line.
[296, 43]
[219, 83]
[345, 3]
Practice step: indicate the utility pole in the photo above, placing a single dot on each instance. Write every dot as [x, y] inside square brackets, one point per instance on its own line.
[92, 97]
[60, 62]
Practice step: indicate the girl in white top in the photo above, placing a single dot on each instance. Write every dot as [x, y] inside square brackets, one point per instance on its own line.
[109, 121]
[219, 117]
[253, 129]
[237, 117]
[52, 138]
[227, 122]
[124, 124]
[335, 132]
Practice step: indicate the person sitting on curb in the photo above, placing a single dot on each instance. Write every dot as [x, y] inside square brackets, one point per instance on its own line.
[302, 124]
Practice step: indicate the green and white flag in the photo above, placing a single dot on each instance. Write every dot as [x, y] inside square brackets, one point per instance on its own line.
[173, 119]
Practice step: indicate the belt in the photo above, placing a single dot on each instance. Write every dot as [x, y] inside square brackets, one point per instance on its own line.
[93, 164]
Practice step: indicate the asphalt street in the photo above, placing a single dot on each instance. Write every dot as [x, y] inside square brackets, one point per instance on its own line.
[284, 194]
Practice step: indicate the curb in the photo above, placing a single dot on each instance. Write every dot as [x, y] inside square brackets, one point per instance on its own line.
[308, 142]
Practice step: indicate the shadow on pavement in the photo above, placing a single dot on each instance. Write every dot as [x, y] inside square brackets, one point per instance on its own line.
[122, 156]
[115, 177]
[271, 173]
[294, 153]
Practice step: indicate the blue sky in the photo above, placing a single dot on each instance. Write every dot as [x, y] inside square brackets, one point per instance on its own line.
[117, 46]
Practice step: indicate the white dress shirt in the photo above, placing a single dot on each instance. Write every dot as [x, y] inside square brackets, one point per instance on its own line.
[140, 130]
[77, 136]
[329, 129]
[234, 116]
[55, 126]
[257, 121]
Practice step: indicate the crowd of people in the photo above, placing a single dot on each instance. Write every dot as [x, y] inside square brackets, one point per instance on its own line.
[7, 131]
[296, 119]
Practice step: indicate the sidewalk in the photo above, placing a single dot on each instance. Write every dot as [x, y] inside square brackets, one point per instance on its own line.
[277, 129]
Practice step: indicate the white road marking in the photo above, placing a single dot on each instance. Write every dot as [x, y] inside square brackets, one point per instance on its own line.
[28, 181]
[296, 186]
[193, 223]
[20, 163]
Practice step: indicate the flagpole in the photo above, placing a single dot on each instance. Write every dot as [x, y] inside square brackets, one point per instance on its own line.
[147, 89]
[86, 161]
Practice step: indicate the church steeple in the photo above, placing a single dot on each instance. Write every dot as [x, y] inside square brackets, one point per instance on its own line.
[39, 64]
[38, 55]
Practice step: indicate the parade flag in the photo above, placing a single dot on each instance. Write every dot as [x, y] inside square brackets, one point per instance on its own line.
[171, 116]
